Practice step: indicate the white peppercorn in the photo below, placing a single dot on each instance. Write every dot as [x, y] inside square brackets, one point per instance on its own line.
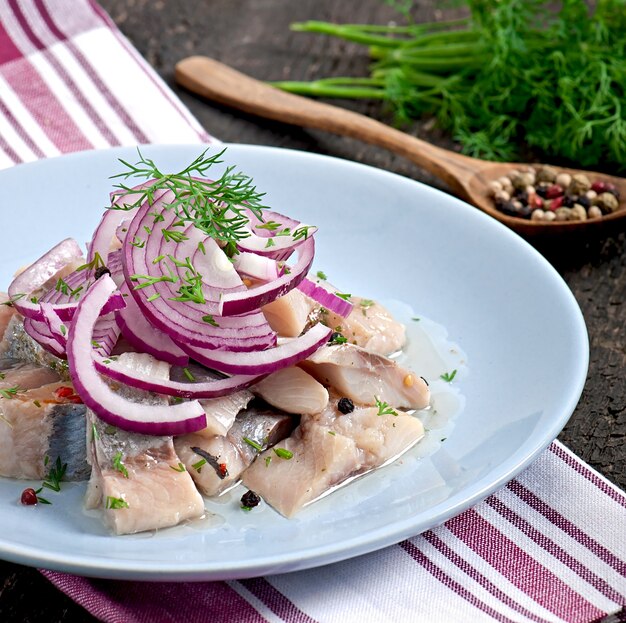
[494, 188]
[547, 174]
[549, 216]
[578, 213]
[563, 180]
[579, 184]
[607, 202]
[594, 212]
[563, 214]
[537, 215]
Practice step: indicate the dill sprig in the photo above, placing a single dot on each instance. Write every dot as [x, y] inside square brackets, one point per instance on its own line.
[216, 207]
[384, 408]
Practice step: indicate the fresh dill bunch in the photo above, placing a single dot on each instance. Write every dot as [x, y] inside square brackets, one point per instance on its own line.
[513, 75]
[216, 207]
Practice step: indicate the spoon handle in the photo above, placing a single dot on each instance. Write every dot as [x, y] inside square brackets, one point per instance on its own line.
[218, 82]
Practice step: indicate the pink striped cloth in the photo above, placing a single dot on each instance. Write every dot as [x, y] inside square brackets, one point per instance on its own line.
[550, 546]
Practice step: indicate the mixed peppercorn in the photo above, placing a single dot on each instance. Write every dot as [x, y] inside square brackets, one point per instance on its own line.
[545, 194]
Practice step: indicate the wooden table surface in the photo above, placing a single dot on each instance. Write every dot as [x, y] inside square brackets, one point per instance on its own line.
[254, 37]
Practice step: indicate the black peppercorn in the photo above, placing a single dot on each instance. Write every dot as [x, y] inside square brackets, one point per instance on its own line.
[249, 500]
[345, 405]
[584, 201]
[570, 200]
[101, 271]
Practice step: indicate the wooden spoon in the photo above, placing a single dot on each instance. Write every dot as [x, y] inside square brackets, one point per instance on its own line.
[467, 177]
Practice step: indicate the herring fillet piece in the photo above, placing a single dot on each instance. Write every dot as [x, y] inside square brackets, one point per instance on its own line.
[328, 450]
[229, 454]
[292, 390]
[221, 411]
[136, 479]
[369, 325]
[365, 377]
[37, 426]
[17, 344]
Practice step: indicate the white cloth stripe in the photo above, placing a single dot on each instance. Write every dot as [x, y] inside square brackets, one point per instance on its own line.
[560, 569]
[495, 577]
[69, 101]
[99, 103]
[566, 542]
[254, 601]
[149, 109]
[566, 487]
[9, 134]
[54, 82]
[26, 120]
[5, 160]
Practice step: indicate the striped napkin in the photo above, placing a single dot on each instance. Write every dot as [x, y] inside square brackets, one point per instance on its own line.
[550, 546]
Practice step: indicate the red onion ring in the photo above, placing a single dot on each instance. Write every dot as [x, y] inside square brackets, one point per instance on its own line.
[109, 406]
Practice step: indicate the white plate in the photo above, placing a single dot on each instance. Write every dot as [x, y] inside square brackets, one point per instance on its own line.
[380, 235]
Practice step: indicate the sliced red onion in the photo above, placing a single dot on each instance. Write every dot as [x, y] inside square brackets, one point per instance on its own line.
[39, 273]
[256, 266]
[233, 303]
[145, 337]
[107, 228]
[288, 353]
[204, 389]
[186, 321]
[274, 242]
[40, 332]
[321, 293]
[108, 405]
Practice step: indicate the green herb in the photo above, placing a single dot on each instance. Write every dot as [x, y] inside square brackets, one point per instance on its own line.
[448, 377]
[158, 217]
[270, 243]
[94, 432]
[96, 262]
[138, 242]
[332, 432]
[216, 207]
[63, 330]
[254, 444]
[321, 275]
[345, 297]
[10, 392]
[301, 232]
[384, 408]
[2, 376]
[147, 230]
[174, 236]
[116, 503]
[366, 303]
[33, 299]
[210, 320]
[188, 374]
[39, 498]
[154, 297]
[268, 460]
[283, 453]
[118, 465]
[337, 338]
[110, 429]
[270, 226]
[55, 475]
[180, 468]
[514, 74]
[201, 248]
[12, 300]
[61, 286]
[199, 464]
[147, 280]
[415, 319]
[37, 403]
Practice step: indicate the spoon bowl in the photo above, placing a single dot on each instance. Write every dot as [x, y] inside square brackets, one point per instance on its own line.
[467, 177]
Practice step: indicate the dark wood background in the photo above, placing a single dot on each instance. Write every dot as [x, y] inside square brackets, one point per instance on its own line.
[254, 36]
